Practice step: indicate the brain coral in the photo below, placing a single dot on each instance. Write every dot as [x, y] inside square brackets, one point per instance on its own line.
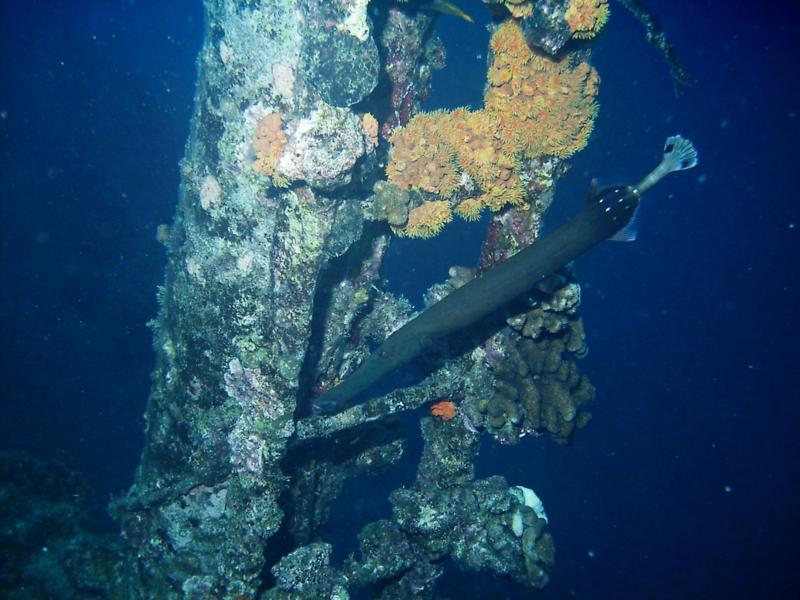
[537, 386]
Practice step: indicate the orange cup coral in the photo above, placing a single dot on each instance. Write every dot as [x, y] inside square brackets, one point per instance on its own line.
[586, 17]
[445, 410]
[421, 159]
[427, 220]
[370, 125]
[534, 105]
[545, 106]
[470, 209]
[268, 143]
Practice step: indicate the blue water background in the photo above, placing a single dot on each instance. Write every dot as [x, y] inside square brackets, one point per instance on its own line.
[685, 484]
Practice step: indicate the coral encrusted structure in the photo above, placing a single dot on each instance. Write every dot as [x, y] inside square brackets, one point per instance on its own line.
[270, 194]
[273, 295]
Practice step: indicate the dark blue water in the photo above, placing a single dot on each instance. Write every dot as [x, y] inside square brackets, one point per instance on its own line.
[685, 484]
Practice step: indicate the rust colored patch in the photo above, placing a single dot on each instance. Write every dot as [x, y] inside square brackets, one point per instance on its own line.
[445, 410]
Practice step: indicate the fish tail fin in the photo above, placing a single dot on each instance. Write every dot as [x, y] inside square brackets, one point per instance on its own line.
[631, 230]
[679, 155]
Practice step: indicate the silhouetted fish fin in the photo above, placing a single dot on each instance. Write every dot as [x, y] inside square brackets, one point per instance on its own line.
[594, 191]
[553, 282]
[629, 232]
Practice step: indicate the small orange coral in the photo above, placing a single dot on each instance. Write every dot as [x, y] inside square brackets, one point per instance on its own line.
[268, 143]
[370, 125]
[586, 17]
[426, 220]
[507, 41]
[545, 106]
[506, 189]
[480, 147]
[420, 158]
[470, 209]
[519, 8]
[445, 410]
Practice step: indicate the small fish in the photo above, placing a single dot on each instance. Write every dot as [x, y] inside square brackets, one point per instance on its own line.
[446, 8]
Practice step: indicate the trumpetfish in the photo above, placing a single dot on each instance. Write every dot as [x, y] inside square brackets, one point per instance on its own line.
[609, 214]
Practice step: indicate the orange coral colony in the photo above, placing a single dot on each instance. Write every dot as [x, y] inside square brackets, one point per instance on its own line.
[534, 105]
[426, 220]
[545, 106]
[268, 143]
[445, 410]
[370, 125]
[421, 158]
[586, 17]
[469, 209]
